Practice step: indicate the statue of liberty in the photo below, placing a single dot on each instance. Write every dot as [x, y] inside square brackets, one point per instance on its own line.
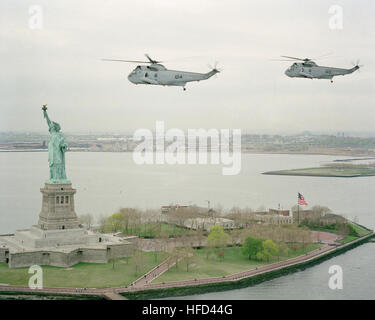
[56, 151]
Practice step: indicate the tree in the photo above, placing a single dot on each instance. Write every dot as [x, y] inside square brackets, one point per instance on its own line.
[283, 249]
[269, 250]
[251, 247]
[116, 222]
[235, 237]
[200, 236]
[138, 261]
[158, 244]
[114, 260]
[102, 223]
[188, 254]
[129, 215]
[176, 255]
[217, 238]
[218, 209]
[304, 236]
[318, 212]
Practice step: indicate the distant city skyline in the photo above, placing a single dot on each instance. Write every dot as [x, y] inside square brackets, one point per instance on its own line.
[60, 64]
[244, 132]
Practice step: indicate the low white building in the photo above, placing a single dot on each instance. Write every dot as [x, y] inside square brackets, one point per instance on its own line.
[207, 223]
[276, 219]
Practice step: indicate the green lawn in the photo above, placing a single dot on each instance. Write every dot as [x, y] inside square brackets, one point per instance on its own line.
[90, 275]
[233, 262]
[348, 239]
[333, 228]
[361, 231]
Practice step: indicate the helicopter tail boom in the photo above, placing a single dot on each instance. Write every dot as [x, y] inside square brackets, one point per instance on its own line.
[355, 68]
[211, 73]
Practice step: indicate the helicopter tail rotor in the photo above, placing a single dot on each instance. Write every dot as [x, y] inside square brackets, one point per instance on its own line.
[214, 67]
[356, 65]
[213, 70]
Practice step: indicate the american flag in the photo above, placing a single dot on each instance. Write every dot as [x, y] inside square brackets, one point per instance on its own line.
[301, 200]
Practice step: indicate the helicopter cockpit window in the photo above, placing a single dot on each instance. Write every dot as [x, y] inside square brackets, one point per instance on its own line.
[306, 64]
[292, 67]
[136, 70]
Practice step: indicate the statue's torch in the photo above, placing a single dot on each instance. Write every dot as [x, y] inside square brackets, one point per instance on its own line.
[44, 108]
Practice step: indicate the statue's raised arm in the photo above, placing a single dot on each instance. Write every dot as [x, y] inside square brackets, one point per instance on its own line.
[45, 114]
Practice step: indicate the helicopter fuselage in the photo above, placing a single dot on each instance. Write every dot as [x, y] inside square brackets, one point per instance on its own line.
[311, 70]
[157, 74]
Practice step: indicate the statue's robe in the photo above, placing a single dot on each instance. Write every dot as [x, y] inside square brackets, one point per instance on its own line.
[56, 156]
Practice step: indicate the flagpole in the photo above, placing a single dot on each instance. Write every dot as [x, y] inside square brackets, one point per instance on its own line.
[298, 212]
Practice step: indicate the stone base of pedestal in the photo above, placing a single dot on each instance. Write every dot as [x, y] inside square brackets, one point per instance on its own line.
[39, 238]
[58, 207]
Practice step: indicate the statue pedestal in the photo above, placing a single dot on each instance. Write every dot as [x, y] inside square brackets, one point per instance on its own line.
[58, 240]
[58, 207]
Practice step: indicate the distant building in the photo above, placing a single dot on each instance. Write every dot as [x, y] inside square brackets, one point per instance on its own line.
[301, 215]
[331, 218]
[175, 207]
[285, 213]
[207, 223]
[277, 219]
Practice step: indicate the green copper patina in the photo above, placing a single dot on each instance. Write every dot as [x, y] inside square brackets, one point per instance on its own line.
[56, 152]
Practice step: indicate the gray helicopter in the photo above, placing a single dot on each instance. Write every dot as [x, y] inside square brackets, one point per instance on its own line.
[310, 70]
[156, 74]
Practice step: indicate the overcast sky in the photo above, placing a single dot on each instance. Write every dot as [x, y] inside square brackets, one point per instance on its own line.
[60, 64]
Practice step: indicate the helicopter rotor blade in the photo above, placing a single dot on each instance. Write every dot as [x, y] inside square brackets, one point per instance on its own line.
[294, 58]
[324, 56]
[290, 60]
[152, 60]
[130, 61]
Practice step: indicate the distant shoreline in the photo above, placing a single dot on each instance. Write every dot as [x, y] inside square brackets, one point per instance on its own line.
[325, 172]
[275, 173]
[357, 157]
